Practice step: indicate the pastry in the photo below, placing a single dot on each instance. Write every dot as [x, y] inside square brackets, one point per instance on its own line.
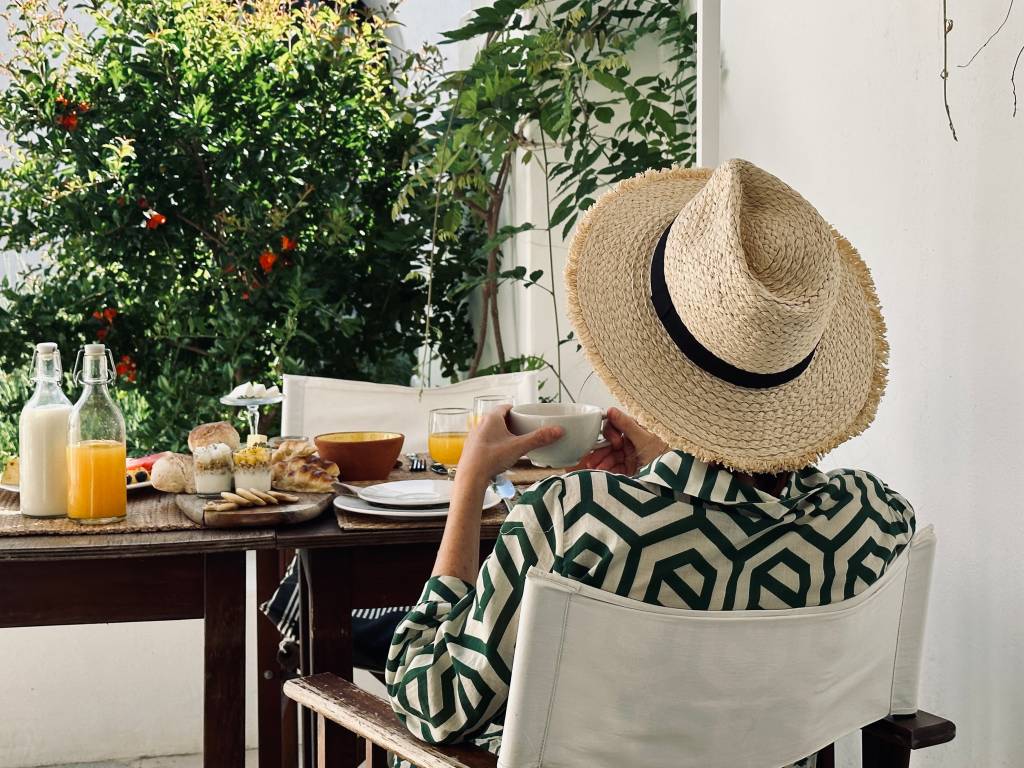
[12, 472]
[214, 432]
[173, 473]
[293, 448]
[309, 474]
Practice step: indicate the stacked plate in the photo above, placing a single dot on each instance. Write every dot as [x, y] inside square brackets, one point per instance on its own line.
[405, 499]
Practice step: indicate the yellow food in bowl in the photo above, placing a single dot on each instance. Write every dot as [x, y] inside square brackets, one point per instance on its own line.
[357, 437]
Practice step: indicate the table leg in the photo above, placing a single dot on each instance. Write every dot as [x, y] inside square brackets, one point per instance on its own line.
[304, 716]
[328, 574]
[224, 672]
[268, 685]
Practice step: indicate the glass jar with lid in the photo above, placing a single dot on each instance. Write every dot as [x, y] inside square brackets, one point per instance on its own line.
[96, 444]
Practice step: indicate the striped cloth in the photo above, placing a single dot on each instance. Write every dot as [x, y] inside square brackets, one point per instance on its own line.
[372, 628]
[681, 534]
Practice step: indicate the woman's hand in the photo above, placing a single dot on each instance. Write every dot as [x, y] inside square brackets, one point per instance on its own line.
[491, 449]
[630, 446]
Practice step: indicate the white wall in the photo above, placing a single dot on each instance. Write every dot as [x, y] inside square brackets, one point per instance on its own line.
[843, 101]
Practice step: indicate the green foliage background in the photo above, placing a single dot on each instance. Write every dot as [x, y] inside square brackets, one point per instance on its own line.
[213, 191]
[226, 192]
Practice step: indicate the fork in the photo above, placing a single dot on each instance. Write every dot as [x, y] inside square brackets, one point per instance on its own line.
[416, 464]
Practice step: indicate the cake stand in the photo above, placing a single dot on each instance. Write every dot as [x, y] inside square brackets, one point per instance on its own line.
[252, 407]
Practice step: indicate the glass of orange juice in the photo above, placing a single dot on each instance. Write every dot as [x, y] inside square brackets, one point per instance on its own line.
[447, 434]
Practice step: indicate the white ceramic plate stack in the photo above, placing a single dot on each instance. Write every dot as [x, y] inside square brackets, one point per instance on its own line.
[406, 499]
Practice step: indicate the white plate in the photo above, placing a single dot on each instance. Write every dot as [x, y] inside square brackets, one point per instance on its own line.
[132, 487]
[408, 493]
[351, 504]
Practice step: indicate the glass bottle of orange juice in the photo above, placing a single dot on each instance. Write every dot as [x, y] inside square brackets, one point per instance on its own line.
[96, 445]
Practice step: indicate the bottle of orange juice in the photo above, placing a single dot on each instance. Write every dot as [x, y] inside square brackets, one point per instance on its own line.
[96, 445]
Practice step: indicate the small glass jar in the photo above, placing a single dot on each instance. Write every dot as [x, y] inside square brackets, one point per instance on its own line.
[213, 469]
[252, 467]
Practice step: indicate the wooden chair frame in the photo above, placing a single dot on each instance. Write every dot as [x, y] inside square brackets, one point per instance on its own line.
[341, 705]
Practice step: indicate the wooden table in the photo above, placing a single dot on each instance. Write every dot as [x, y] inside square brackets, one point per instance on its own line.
[386, 563]
[146, 576]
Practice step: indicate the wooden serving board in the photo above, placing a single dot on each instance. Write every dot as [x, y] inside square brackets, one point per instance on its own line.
[310, 505]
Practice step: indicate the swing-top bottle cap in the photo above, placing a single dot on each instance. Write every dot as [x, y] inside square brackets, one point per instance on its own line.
[46, 348]
[95, 350]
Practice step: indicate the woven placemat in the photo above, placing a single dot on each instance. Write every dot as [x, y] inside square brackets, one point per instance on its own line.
[148, 511]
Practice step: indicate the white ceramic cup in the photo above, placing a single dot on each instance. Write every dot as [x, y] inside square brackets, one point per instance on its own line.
[581, 423]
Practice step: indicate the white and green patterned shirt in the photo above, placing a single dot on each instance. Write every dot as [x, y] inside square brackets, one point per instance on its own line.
[679, 534]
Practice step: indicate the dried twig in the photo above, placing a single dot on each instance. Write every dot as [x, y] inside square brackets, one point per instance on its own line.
[1013, 81]
[947, 27]
[985, 44]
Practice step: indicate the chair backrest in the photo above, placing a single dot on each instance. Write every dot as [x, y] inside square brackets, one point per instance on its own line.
[315, 405]
[601, 680]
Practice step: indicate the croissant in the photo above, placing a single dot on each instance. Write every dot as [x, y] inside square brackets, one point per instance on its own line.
[305, 474]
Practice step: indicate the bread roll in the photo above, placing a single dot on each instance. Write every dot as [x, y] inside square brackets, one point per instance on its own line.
[214, 432]
[173, 473]
[290, 449]
[12, 472]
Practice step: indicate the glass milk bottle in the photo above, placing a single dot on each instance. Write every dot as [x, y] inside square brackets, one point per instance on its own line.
[96, 445]
[43, 439]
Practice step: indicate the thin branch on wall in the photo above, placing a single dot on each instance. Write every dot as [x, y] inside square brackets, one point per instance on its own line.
[1013, 82]
[990, 37]
[947, 27]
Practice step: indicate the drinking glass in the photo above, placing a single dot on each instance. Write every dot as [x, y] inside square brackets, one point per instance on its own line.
[482, 404]
[448, 429]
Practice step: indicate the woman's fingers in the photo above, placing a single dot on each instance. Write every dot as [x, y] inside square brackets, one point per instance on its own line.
[612, 435]
[613, 462]
[538, 439]
[594, 458]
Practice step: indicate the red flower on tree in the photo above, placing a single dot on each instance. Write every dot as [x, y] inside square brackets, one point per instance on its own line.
[68, 122]
[267, 261]
[287, 243]
[154, 219]
[127, 367]
[61, 102]
[109, 314]
[97, 315]
[101, 334]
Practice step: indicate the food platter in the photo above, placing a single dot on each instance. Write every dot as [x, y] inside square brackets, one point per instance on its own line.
[309, 506]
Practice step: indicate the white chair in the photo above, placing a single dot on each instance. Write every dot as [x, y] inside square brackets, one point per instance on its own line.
[315, 405]
[605, 681]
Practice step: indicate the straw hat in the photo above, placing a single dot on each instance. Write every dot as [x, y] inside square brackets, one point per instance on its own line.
[727, 316]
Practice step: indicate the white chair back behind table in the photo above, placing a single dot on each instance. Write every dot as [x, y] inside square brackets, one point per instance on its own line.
[601, 680]
[314, 405]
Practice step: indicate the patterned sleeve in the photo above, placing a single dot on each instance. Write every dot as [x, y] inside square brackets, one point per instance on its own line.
[449, 666]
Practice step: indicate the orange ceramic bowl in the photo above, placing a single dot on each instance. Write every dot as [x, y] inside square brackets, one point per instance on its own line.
[361, 455]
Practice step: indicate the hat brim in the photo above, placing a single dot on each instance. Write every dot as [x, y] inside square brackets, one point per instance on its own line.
[754, 430]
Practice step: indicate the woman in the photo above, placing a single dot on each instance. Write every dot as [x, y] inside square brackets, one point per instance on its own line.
[744, 335]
